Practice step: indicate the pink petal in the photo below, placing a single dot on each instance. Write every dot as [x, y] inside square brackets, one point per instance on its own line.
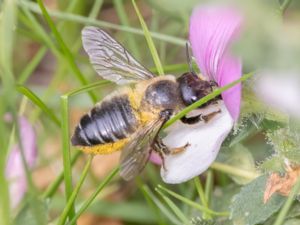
[212, 29]
[230, 69]
[155, 158]
[14, 169]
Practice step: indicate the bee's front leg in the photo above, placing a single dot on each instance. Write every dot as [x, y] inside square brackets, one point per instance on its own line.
[195, 119]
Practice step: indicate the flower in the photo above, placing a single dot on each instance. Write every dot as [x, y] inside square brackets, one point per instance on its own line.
[279, 90]
[212, 30]
[14, 171]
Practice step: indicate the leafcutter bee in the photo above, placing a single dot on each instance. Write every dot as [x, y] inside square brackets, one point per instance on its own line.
[131, 117]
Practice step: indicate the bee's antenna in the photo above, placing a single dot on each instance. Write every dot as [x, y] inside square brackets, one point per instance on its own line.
[189, 58]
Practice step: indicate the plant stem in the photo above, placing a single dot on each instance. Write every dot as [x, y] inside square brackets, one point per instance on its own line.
[209, 185]
[287, 205]
[87, 203]
[53, 187]
[285, 5]
[175, 209]
[74, 194]
[202, 197]
[234, 171]
[66, 151]
[192, 203]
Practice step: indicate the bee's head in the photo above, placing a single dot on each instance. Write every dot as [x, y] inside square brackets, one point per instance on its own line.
[192, 88]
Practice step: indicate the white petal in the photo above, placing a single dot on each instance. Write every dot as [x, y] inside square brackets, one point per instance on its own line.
[205, 140]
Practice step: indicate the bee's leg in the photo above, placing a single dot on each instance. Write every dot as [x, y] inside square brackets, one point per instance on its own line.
[161, 149]
[195, 119]
[211, 115]
[192, 119]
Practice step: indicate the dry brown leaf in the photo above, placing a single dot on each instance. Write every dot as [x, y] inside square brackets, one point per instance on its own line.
[281, 184]
[90, 219]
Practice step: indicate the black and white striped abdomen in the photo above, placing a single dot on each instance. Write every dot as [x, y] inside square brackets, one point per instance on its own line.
[107, 122]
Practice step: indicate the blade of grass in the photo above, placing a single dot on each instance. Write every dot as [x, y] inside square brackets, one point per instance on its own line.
[32, 65]
[287, 205]
[71, 201]
[38, 102]
[209, 186]
[160, 218]
[119, 7]
[66, 152]
[284, 6]
[205, 99]
[202, 197]
[172, 68]
[49, 192]
[62, 66]
[68, 54]
[7, 96]
[174, 208]
[88, 87]
[158, 204]
[192, 203]
[31, 22]
[149, 41]
[89, 21]
[96, 8]
[42, 51]
[89, 201]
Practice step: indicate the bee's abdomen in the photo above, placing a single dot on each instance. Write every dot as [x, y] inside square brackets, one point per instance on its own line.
[108, 122]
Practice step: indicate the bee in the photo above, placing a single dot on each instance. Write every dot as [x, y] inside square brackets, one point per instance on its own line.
[130, 118]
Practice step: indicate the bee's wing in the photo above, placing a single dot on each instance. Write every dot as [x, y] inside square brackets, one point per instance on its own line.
[110, 59]
[136, 154]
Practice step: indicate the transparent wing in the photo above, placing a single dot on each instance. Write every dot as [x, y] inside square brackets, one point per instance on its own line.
[136, 154]
[110, 59]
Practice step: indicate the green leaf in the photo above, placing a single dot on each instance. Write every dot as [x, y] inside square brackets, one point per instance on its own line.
[199, 221]
[222, 197]
[273, 164]
[239, 157]
[248, 126]
[248, 208]
[286, 143]
[39, 103]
